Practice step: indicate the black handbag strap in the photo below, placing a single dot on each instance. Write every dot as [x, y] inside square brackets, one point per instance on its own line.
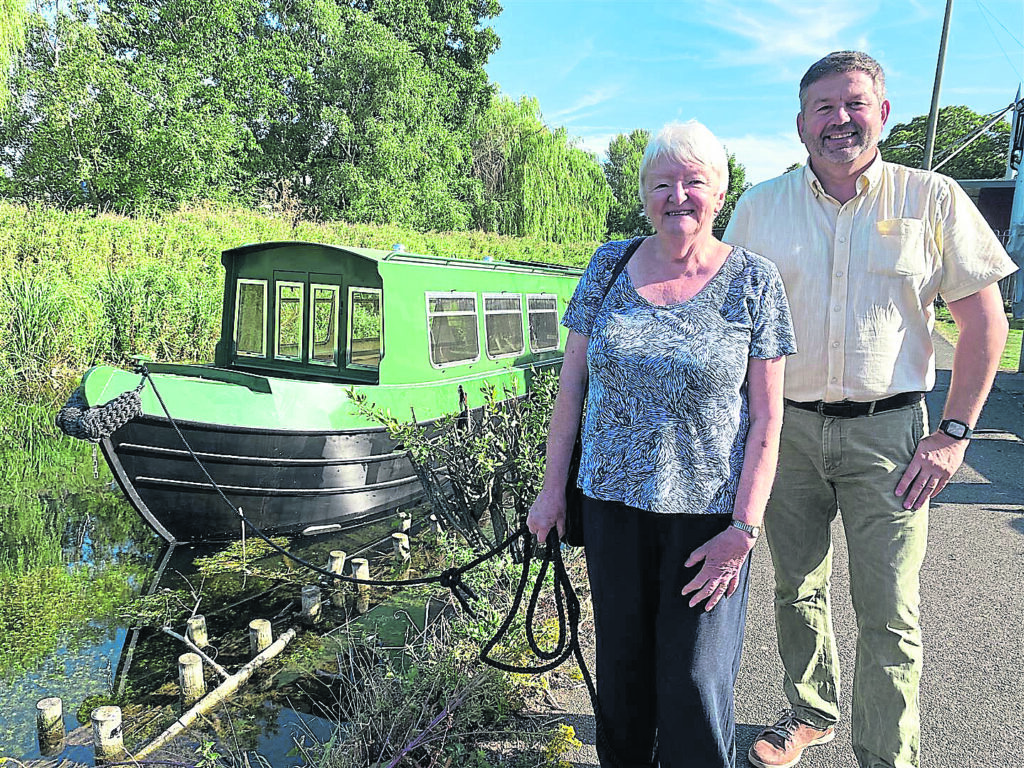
[621, 265]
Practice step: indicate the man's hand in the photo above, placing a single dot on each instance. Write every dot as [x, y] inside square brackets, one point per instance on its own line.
[937, 457]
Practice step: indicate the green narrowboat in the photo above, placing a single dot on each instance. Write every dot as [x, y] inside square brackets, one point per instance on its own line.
[271, 419]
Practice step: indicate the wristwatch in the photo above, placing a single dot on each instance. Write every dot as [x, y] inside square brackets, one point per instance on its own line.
[753, 530]
[955, 429]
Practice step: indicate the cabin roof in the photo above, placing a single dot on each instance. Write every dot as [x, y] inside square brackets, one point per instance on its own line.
[403, 257]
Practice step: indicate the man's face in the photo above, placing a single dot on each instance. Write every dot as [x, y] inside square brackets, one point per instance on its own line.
[841, 119]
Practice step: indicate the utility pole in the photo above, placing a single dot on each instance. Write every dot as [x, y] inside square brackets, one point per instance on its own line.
[933, 114]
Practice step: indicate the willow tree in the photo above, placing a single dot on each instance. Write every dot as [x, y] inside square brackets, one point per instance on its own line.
[536, 181]
[12, 38]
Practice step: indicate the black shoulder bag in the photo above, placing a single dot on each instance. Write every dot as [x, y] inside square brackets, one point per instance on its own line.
[573, 535]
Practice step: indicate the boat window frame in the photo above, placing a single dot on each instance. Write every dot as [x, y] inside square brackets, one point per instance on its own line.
[522, 336]
[278, 285]
[531, 312]
[348, 328]
[264, 284]
[428, 295]
[335, 314]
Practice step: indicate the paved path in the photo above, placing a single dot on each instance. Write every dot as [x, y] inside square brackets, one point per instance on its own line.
[972, 694]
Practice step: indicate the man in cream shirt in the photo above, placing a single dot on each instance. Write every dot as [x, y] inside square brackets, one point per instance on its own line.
[864, 247]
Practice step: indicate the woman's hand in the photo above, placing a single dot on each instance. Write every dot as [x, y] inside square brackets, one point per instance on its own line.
[547, 512]
[723, 557]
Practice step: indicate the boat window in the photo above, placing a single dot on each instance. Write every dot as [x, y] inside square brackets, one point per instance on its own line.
[452, 319]
[323, 325]
[364, 327]
[503, 324]
[289, 321]
[542, 310]
[250, 318]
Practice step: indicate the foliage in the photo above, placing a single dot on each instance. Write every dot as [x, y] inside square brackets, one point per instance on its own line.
[479, 467]
[737, 186]
[12, 31]
[89, 128]
[626, 217]
[985, 158]
[534, 181]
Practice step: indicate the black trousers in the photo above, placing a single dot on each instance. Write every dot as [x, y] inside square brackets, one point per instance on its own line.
[665, 671]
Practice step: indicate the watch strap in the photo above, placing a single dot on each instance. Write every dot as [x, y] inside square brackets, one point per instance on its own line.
[955, 429]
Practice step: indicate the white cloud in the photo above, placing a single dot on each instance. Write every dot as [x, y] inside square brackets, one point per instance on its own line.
[580, 107]
[765, 157]
[597, 143]
[776, 30]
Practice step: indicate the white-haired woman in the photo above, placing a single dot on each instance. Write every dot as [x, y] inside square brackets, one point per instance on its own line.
[681, 366]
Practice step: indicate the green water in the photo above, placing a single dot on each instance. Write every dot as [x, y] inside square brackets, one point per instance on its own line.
[73, 554]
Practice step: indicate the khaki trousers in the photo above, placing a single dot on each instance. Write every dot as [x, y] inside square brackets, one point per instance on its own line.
[829, 465]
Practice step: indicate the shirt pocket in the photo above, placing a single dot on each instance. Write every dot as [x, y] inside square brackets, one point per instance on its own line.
[897, 248]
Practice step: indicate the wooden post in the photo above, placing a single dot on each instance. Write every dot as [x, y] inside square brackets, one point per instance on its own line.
[50, 726]
[260, 636]
[404, 521]
[190, 676]
[107, 735]
[435, 525]
[400, 546]
[336, 564]
[196, 631]
[311, 607]
[361, 570]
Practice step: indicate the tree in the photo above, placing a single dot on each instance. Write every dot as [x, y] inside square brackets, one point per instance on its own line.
[13, 14]
[622, 170]
[89, 128]
[533, 180]
[985, 158]
[737, 186]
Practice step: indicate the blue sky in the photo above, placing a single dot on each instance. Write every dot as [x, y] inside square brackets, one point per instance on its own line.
[604, 67]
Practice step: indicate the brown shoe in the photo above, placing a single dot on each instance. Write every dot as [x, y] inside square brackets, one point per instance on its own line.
[781, 745]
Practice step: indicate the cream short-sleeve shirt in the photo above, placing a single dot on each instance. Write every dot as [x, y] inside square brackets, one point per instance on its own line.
[862, 276]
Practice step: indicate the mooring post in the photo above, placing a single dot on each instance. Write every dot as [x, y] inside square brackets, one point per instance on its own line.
[400, 546]
[404, 521]
[435, 525]
[196, 631]
[260, 636]
[50, 725]
[107, 735]
[361, 571]
[311, 608]
[190, 676]
[336, 564]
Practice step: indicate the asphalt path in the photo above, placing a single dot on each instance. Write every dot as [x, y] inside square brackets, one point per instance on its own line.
[972, 691]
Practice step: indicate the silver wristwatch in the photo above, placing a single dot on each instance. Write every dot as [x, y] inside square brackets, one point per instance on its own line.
[753, 530]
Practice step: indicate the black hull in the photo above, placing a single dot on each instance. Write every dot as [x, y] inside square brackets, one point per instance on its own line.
[285, 482]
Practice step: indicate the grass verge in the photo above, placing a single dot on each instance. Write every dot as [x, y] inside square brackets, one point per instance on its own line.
[1011, 352]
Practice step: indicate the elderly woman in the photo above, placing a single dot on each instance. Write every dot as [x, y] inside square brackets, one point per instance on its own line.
[680, 364]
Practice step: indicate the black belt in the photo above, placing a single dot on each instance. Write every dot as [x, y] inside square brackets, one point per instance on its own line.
[847, 409]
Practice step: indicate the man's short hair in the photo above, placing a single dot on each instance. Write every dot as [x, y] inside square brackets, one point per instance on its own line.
[838, 62]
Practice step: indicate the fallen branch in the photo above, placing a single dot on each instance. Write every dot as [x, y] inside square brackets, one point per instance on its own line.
[217, 695]
[198, 652]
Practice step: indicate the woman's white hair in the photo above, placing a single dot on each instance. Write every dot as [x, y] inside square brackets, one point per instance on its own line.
[689, 142]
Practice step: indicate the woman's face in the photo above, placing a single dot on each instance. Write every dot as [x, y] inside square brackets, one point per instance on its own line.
[682, 198]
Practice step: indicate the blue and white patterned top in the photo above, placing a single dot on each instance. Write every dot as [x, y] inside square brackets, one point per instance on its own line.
[667, 414]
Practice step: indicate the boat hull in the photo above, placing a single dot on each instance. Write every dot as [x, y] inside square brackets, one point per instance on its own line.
[284, 481]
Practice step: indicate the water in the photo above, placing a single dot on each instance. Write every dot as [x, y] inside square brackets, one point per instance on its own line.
[72, 554]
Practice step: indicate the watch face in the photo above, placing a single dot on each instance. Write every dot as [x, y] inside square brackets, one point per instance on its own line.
[955, 429]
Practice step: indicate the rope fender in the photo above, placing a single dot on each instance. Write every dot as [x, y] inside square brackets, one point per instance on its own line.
[76, 419]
